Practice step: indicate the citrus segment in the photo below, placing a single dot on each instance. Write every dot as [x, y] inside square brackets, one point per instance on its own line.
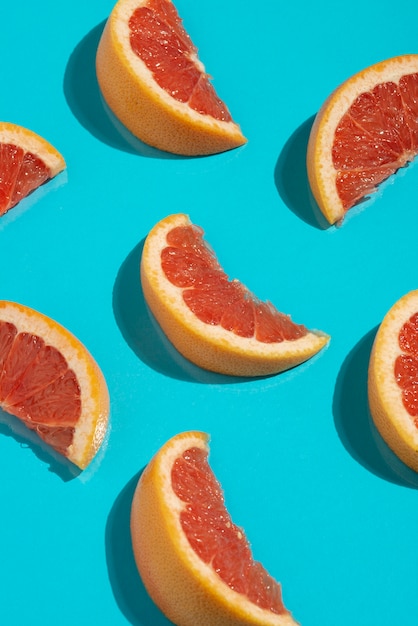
[213, 298]
[393, 380]
[196, 564]
[159, 39]
[213, 535]
[214, 322]
[51, 383]
[364, 132]
[406, 366]
[153, 81]
[26, 162]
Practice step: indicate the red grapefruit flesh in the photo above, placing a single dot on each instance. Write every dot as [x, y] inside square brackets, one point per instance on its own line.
[37, 386]
[158, 37]
[214, 299]
[213, 535]
[20, 173]
[377, 136]
[406, 366]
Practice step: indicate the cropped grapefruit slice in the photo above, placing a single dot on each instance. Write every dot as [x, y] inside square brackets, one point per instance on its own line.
[365, 131]
[50, 382]
[216, 323]
[195, 563]
[26, 162]
[153, 81]
[393, 379]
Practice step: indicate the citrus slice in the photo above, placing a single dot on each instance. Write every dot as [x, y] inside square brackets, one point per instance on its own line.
[365, 131]
[393, 379]
[153, 81]
[50, 382]
[26, 162]
[216, 323]
[195, 563]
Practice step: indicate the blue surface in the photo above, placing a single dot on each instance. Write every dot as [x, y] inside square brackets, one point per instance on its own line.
[328, 509]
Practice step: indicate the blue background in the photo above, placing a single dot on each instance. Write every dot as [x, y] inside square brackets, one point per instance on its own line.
[328, 509]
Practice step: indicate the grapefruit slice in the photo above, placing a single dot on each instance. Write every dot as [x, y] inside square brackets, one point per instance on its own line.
[153, 81]
[216, 323]
[393, 379]
[26, 162]
[365, 131]
[50, 382]
[196, 564]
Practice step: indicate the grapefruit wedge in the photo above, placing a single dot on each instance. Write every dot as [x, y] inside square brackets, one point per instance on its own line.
[195, 563]
[153, 81]
[26, 162]
[214, 322]
[393, 379]
[364, 132]
[50, 382]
